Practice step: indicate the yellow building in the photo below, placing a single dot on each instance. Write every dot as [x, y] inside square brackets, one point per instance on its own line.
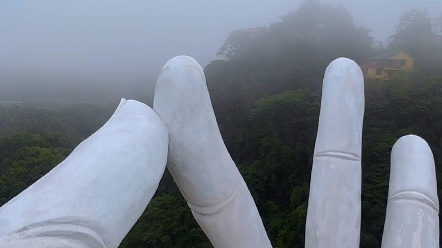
[385, 66]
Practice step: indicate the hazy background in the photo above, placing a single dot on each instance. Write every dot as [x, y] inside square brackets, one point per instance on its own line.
[71, 43]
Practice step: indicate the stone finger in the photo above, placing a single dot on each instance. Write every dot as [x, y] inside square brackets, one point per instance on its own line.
[334, 207]
[199, 161]
[412, 218]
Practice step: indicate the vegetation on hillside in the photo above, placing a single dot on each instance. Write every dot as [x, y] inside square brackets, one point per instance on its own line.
[33, 141]
[266, 92]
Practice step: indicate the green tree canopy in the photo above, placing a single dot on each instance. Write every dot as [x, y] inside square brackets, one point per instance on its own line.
[413, 26]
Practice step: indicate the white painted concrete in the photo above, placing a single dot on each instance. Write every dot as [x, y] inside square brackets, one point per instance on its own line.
[95, 196]
[199, 161]
[334, 207]
[412, 218]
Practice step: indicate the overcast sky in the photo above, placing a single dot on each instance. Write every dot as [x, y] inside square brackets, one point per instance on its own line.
[96, 40]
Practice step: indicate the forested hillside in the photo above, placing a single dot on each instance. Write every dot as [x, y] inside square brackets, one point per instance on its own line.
[33, 141]
[266, 92]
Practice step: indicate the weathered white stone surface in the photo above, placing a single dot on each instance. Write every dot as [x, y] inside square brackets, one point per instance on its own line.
[334, 207]
[412, 218]
[96, 195]
[199, 161]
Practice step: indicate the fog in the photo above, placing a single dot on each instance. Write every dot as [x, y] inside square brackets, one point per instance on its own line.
[115, 42]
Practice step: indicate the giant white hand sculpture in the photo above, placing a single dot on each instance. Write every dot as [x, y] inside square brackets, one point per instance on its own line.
[95, 196]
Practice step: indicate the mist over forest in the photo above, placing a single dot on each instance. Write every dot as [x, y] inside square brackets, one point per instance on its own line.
[62, 75]
[84, 51]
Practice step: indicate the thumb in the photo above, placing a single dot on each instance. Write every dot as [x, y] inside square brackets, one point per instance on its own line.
[99, 191]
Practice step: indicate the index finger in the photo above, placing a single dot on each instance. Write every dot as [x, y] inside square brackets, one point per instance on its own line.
[199, 161]
[334, 207]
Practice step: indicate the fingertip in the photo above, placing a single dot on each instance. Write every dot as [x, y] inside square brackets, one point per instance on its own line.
[342, 108]
[180, 61]
[180, 67]
[345, 67]
[412, 150]
[133, 107]
[122, 102]
[413, 172]
[120, 105]
[344, 75]
[342, 61]
[181, 88]
[410, 141]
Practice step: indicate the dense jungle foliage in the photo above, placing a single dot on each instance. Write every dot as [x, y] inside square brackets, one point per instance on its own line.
[266, 93]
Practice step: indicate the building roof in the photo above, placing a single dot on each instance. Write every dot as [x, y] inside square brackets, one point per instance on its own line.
[389, 55]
